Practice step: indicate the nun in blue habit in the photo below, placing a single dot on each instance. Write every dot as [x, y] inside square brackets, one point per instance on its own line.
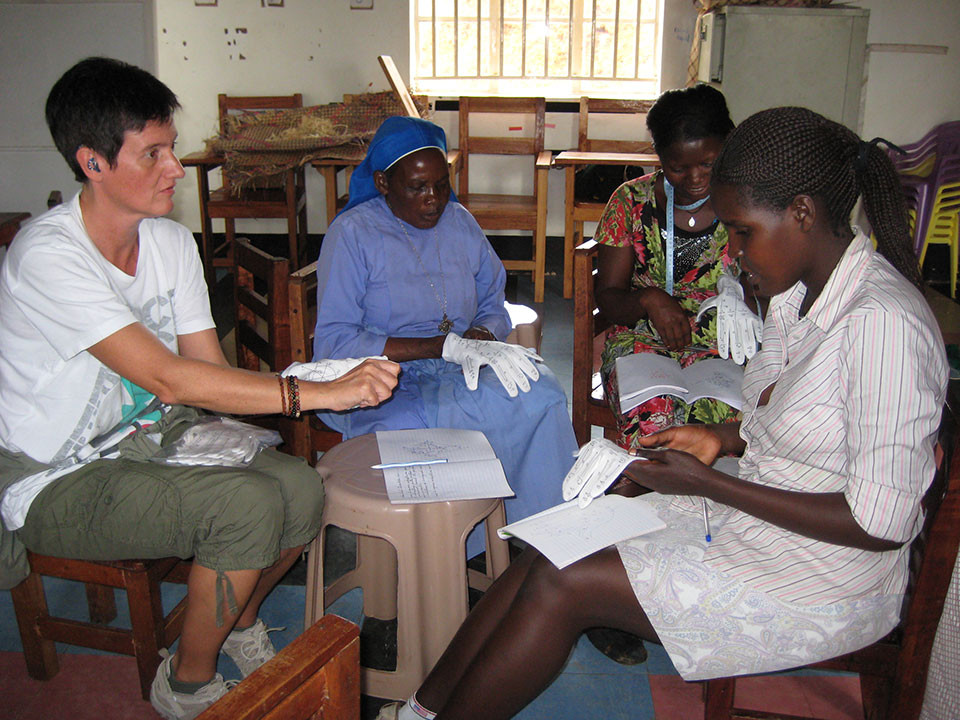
[403, 265]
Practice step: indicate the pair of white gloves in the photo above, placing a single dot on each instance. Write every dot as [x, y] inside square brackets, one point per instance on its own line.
[513, 364]
[738, 328]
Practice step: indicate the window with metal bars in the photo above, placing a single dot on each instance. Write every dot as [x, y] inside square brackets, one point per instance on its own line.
[551, 48]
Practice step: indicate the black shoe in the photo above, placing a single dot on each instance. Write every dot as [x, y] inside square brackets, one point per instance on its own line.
[618, 645]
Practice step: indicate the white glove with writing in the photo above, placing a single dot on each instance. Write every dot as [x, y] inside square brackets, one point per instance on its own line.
[738, 327]
[598, 464]
[325, 370]
[512, 363]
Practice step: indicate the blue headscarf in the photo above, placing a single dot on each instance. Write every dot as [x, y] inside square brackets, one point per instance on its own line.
[397, 137]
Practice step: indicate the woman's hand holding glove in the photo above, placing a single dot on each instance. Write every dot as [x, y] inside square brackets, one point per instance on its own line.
[599, 463]
[512, 363]
[738, 327]
[325, 370]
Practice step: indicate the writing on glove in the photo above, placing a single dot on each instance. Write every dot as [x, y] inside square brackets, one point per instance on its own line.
[513, 364]
[738, 328]
[599, 463]
[325, 370]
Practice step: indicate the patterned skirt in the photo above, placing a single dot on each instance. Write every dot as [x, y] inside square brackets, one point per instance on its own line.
[713, 625]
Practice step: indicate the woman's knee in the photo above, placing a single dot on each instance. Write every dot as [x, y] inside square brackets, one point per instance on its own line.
[243, 526]
[301, 488]
[303, 508]
[581, 591]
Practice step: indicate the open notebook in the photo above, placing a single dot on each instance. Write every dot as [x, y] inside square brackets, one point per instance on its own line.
[647, 375]
[440, 464]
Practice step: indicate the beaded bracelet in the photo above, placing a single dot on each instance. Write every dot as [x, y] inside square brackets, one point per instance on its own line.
[283, 394]
[294, 389]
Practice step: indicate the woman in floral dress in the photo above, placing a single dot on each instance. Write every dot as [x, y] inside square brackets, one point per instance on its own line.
[688, 128]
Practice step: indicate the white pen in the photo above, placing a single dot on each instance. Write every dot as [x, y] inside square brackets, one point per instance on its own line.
[384, 466]
[706, 520]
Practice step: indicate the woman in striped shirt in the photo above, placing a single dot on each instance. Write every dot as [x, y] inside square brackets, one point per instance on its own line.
[841, 407]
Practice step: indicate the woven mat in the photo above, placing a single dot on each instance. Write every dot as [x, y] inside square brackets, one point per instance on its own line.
[258, 144]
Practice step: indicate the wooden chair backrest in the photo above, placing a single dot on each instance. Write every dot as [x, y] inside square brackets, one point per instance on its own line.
[589, 106]
[399, 87]
[302, 298]
[262, 309]
[507, 145]
[229, 104]
[306, 436]
[588, 323]
[933, 555]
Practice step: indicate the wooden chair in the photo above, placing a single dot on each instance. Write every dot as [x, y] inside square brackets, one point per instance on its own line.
[150, 630]
[589, 403]
[308, 435]
[893, 671]
[601, 152]
[262, 330]
[501, 211]
[276, 313]
[316, 676]
[283, 196]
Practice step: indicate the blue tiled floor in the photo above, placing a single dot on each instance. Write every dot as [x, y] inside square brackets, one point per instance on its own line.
[615, 691]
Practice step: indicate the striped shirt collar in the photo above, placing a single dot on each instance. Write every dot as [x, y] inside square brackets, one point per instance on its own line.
[839, 288]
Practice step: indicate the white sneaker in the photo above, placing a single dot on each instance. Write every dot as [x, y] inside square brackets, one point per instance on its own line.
[250, 648]
[183, 706]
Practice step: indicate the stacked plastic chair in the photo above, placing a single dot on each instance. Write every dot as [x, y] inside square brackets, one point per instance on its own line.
[930, 176]
[943, 225]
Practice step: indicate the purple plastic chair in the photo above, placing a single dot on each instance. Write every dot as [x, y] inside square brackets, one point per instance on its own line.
[925, 166]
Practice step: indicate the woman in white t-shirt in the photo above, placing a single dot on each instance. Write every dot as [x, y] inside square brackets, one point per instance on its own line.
[107, 342]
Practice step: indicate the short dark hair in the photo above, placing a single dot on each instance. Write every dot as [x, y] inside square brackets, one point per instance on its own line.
[777, 154]
[97, 101]
[693, 113]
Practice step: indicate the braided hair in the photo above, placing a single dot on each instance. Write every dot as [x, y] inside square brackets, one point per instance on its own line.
[780, 153]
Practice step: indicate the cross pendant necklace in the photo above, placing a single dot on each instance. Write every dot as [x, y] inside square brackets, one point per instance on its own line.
[446, 324]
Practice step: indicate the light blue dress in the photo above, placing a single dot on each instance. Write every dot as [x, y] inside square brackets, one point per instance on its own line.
[372, 286]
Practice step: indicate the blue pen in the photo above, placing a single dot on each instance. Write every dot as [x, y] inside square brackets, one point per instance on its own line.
[384, 466]
[706, 520]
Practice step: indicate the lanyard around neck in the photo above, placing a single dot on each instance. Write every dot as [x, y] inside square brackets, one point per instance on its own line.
[671, 206]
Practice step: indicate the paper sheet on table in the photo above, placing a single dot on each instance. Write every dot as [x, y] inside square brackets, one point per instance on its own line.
[566, 533]
[472, 470]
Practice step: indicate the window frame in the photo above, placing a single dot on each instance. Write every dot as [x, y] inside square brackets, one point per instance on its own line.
[429, 79]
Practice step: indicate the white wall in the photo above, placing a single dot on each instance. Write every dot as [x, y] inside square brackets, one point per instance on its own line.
[323, 49]
[909, 93]
[320, 48]
[38, 42]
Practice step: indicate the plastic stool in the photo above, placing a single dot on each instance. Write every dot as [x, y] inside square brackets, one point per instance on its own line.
[423, 585]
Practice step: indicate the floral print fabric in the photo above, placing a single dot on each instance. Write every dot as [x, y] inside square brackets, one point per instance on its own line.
[632, 219]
